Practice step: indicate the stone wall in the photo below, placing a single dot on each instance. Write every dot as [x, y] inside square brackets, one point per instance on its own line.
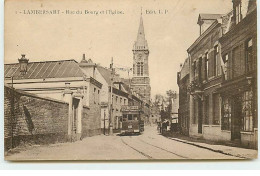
[35, 119]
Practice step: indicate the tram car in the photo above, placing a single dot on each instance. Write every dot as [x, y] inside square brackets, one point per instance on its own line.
[132, 121]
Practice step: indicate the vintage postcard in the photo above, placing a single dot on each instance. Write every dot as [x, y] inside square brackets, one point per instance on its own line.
[131, 80]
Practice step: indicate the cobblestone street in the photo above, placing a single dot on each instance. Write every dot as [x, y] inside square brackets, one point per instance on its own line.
[147, 146]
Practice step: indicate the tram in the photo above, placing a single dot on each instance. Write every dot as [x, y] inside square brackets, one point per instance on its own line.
[132, 121]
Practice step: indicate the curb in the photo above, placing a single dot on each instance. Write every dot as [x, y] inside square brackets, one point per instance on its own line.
[207, 148]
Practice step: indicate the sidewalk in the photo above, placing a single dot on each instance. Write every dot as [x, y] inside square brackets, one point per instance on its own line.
[220, 147]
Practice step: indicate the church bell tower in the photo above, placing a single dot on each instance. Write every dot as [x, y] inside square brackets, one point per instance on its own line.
[141, 80]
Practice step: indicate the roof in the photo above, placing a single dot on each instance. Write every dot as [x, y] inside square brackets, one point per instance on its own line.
[45, 69]
[207, 16]
[185, 69]
[141, 42]
[106, 73]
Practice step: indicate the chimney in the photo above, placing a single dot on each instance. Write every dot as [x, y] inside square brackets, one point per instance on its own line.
[23, 64]
[84, 59]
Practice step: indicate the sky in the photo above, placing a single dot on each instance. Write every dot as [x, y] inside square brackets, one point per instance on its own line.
[100, 36]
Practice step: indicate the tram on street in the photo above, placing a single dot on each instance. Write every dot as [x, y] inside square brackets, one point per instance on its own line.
[132, 121]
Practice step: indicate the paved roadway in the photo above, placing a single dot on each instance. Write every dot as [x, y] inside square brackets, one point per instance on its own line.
[148, 146]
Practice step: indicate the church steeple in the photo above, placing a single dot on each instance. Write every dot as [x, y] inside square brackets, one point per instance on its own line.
[141, 81]
[141, 43]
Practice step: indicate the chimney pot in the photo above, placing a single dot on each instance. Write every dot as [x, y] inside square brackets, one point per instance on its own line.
[23, 64]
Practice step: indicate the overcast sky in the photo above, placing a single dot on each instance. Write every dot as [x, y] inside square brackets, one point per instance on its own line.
[102, 36]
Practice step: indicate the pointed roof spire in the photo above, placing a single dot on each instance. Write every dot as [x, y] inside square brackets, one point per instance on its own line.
[141, 43]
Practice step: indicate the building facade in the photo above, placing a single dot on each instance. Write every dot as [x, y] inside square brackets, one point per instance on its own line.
[205, 77]
[223, 77]
[61, 80]
[183, 81]
[238, 89]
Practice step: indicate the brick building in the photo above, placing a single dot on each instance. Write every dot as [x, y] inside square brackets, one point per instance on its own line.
[239, 87]
[222, 85]
[206, 76]
[183, 81]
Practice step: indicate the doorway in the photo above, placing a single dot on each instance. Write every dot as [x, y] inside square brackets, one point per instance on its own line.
[200, 108]
[75, 107]
[236, 118]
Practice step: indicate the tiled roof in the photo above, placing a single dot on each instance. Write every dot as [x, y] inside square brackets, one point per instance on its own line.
[46, 69]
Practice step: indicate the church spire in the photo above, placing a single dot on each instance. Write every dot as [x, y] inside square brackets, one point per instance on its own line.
[141, 43]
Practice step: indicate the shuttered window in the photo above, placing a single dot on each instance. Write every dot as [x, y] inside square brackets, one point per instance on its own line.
[237, 67]
[216, 63]
[206, 67]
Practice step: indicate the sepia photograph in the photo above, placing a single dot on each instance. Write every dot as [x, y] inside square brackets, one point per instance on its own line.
[130, 80]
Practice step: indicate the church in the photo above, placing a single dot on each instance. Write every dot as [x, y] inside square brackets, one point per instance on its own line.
[140, 82]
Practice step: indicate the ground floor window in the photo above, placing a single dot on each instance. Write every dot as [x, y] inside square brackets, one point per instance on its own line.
[216, 109]
[226, 114]
[247, 113]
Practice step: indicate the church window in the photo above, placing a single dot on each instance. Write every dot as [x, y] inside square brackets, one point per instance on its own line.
[140, 68]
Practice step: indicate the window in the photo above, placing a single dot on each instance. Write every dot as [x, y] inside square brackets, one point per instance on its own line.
[124, 101]
[216, 115]
[216, 64]
[95, 95]
[225, 68]
[116, 99]
[140, 68]
[238, 13]
[226, 114]
[247, 113]
[206, 66]
[249, 55]
[199, 69]
[194, 68]
[130, 117]
[98, 100]
[124, 117]
[120, 101]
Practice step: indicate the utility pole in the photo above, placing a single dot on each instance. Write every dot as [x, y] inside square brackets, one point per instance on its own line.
[104, 122]
[111, 99]
[12, 113]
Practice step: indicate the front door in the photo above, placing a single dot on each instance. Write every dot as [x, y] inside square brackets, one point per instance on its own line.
[236, 118]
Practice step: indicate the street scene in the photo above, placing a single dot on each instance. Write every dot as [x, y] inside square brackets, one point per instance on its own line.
[126, 85]
[148, 146]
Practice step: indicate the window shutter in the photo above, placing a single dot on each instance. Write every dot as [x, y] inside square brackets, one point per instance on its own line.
[242, 59]
[211, 63]
[203, 69]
